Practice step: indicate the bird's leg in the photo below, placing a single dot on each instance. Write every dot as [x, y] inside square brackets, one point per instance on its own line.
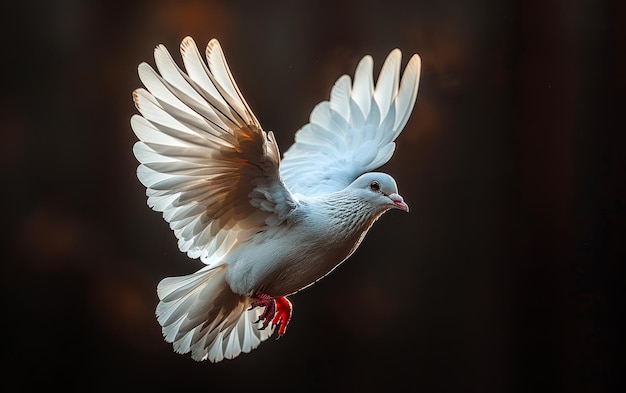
[283, 314]
[277, 311]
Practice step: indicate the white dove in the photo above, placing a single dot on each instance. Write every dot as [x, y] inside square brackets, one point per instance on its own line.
[265, 228]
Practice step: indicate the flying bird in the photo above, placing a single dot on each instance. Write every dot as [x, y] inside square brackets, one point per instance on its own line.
[265, 228]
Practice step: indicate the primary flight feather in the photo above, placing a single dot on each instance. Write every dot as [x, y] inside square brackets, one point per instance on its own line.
[265, 228]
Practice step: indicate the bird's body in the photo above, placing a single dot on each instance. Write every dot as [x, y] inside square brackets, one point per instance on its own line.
[265, 228]
[272, 265]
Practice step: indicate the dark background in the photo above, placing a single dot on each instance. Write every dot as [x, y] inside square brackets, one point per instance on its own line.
[504, 277]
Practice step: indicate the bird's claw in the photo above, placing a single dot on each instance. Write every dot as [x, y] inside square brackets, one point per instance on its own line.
[277, 312]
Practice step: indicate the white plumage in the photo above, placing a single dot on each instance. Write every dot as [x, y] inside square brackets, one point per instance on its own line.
[264, 228]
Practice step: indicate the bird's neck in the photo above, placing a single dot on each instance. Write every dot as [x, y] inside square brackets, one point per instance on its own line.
[350, 217]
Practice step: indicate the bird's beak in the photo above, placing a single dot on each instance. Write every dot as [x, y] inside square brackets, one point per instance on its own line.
[399, 202]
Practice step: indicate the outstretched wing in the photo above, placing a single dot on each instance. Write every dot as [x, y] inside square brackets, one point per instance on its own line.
[205, 160]
[354, 132]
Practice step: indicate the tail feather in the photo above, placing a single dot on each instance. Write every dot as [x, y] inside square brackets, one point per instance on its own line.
[200, 314]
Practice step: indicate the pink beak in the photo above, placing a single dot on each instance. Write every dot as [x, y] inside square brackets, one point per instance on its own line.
[399, 202]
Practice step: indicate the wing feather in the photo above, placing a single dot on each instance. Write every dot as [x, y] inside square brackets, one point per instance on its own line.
[387, 85]
[407, 94]
[225, 82]
[363, 85]
[340, 97]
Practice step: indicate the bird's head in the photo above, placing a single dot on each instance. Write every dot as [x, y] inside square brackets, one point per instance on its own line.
[379, 189]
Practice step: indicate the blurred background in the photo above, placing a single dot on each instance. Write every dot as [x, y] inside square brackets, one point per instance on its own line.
[506, 276]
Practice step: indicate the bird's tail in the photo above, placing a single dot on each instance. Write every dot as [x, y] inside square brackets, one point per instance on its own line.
[200, 313]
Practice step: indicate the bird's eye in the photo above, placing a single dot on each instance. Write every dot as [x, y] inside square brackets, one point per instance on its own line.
[375, 186]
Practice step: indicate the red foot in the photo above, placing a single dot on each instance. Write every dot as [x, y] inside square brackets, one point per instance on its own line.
[277, 310]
